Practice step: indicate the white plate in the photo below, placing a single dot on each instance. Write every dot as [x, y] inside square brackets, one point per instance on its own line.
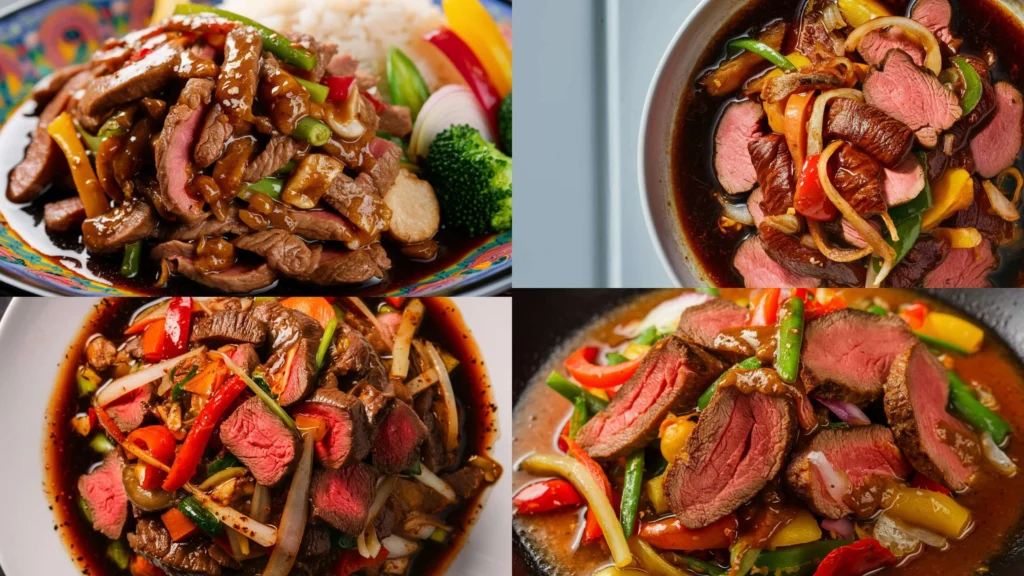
[36, 332]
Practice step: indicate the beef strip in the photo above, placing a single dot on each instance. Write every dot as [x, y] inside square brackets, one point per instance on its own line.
[236, 86]
[216, 132]
[858, 178]
[239, 279]
[209, 228]
[189, 557]
[279, 151]
[229, 327]
[804, 261]
[126, 224]
[776, 173]
[869, 129]
[173, 151]
[760, 271]
[285, 252]
[46, 89]
[358, 201]
[64, 215]
[142, 78]
[337, 268]
[925, 256]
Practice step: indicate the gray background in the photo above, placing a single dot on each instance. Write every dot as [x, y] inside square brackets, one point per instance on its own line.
[583, 68]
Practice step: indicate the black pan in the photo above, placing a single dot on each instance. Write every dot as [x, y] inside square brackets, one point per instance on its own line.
[545, 320]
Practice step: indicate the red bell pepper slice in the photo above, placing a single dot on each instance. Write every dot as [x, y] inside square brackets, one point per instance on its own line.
[351, 562]
[378, 106]
[546, 496]
[396, 301]
[581, 366]
[338, 88]
[670, 534]
[592, 530]
[153, 341]
[93, 419]
[861, 557]
[177, 322]
[469, 66]
[766, 308]
[914, 314]
[817, 309]
[810, 199]
[925, 483]
[159, 442]
[562, 436]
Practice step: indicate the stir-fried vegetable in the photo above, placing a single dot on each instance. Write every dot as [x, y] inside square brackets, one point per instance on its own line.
[972, 85]
[961, 396]
[674, 433]
[132, 259]
[582, 368]
[651, 562]
[256, 389]
[471, 69]
[412, 315]
[763, 50]
[670, 534]
[179, 389]
[800, 560]
[580, 415]
[803, 528]
[953, 192]
[406, 84]
[631, 490]
[571, 391]
[276, 43]
[311, 130]
[766, 308]
[293, 519]
[119, 553]
[317, 92]
[325, 341]
[135, 380]
[791, 338]
[861, 557]
[931, 510]
[471, 21]
[908, 232]
[751, 363]
[810, 199]
[101, 444]
[367, 542]
[63, 132]
[258, 532]
[546, 496]
[159, 442]
[447, 395]
[200, 516]
[860, 12]
[178, 524]
[956, 331]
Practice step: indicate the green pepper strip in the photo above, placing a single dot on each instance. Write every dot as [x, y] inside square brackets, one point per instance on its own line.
[101, 444]
[974, 411]
[878, 310]
[317, 92]
[287, 168]
[325, 342]
[614, 358]
[648, 337]
[941, 343]
[764, 51]
[228, 461]
[132, 258]
[200, 516]
[84, 507]
[570, 391]
[580, 416]
[972, 82]
[709, 291]
[119, 554]
[179, 388]
[801, 560]
[92, 142]
[270, 186]
[277, 44]
[85, 386]
[406, 83]
[751, 363]
[791, 339]
[698, 566]
[631, 492]
[909, 231]
[311, 130]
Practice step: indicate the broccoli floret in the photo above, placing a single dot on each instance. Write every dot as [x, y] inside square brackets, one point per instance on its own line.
[473, 181]
[505, 124]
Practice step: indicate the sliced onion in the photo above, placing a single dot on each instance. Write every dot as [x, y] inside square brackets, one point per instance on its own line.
[845, 411]
[787, 223]
[293, 519]
[399, 547]
[431, 480]
[831, 252]
[735, 212]
[1001, 205]
[997, 457]
[411, 317]
[1018, 180]
[926, 536]
[367, 542]
[258, 532]
[836, 482]
[933, 59]
[358, 303]
[135, 380]
[158, 310]
[452, 105]
[894, 537]
[665, 316]
[816, 128]
[259, 508]
[448, 395]
[422, 382]
[421, 526]
[842, 527]
[890, 226]
[832, 17]
[222, 476]
[878, 245]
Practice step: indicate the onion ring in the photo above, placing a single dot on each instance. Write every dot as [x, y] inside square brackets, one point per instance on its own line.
[933, 59]
[834, 254]
[816, 128]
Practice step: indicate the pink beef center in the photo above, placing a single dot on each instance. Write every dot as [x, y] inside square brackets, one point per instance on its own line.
[655, 384]
[129, 410]
[258, 441]
[180, 157]
[929, 393]
[397, 436]
[344, 492]
[870, 353]
[860, 464]
[338, 441]
[104, 492]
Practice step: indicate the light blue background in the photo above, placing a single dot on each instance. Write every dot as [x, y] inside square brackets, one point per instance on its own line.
[582, 70]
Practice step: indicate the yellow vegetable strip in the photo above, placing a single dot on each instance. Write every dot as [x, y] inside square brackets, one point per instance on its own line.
[63, 132]
[475, 26]
[932, 510]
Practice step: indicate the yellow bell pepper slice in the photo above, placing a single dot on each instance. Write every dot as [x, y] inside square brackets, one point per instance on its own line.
[471, 22]
[776, 112]
[674, 434]
[634, 351]
[656, 493]
[931, 510]
[801, 530]
[798, 60]
[959, 237]
[858, 12]
[954, 330]
[163, 9]
[63, 132]
[953, 192]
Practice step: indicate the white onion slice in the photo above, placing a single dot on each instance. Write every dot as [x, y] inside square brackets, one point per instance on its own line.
[836, 482]
[117, 388]
[367, 542]
[831, 252]
[997, 457]
[450, 106]
[448, 395]
[735, 212]
[927, 536]
[293, 519]
[786, 223]
[399, 547]
[258, 532]
[1001, 205]
[894, 537]
[422, 382]
[816, 128]
[431, 480]
[665, 316]
[411, 317]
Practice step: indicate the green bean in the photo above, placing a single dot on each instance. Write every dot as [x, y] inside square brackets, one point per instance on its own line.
[325, 342]
[932, 340]
[270, 186]
[631, 492]
[570, 391]
[974, 412]
[277, 44]
[791, 339]
[580, 415]
[286, 169]
[317, 92]
[311, 130]
[751, 363]
[132, 258]
[614, 358]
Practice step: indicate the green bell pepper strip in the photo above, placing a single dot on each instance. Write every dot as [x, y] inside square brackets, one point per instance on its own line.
[286, 169]
[791, 339]
[311, 130]
[84, 507]
[751, 363]
[325, 342]
[764, 51]
[580, 416]
[974, 412]
[91, 142]
[85, 386]
[940, 343]
[200, 516]
[277, 44]
[909, 231]
[698, 566]
[801, 560]
[878, 310]
[918, 205]
[570, 391]
[101, 444]
[614, 358]
[972, 83]
[179, 388]
[119, 554]
[132, 258]
[317, 92]
[406, 83]
[227, 461]
[710, 291]
[270, 186]
[631, 491]
[648, 337]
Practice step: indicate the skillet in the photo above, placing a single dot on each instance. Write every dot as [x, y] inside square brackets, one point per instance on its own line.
[547, 322]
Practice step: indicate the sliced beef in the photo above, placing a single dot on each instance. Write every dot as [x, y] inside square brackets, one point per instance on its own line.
[790, 253]
[754, 205]
[858, 178]
[869, 129]
[934, 441]
[348, 433]
[342, 497]
[229, 327]
[239, 279]
[351, 352]
[46, 89]
[385, 171]
[209, 228]
[701, 324]
[236, 85]
[904, 182]
[294, 340]
[142, 78]
[670, 379]
[852, 236]
[103, 492]
[100, 352]
[869, 458]
[997, 146]
[964, 268]
[337, 268]
[434, 453]
[739, 445]
[44, 160]
[760, 271]
[876, 46]
[847, 354]
[914, 96]
[326, 226]
[126, 224]
[980, 215]
[396, 443]
[740, 125]
[173, 151]
[260, 439]
[936, 15]
[358, 201]
[396, 121]
[285, 252]
[130, 410]
[64, 215]
[814, 39]
[776, 173]
[925, 256]
[279, 151]
[780, 88]
[192, 556]
[213, 137]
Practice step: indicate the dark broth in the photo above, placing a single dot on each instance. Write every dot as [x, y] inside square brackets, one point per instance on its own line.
[996, 503]
[68, 455]
[980, 23]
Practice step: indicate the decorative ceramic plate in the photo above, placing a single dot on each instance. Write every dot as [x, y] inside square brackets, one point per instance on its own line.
[40, 36]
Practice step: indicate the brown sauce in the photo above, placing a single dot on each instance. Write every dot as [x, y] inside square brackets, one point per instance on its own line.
[981, 23]
[68, 456]
[996, 502]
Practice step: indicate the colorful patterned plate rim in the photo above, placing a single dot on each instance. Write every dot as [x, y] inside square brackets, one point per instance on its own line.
[37, 36]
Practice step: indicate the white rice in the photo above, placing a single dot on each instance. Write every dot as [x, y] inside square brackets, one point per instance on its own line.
[366, 29]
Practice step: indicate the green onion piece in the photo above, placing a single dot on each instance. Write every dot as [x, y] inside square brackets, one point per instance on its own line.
[262, 383]
[647, 337]
[132, 258]
[277, 44]
[85, 386]
[791, 339]
[933, 341]
[263, 395]
[101, 444]
[84, 507]
[796, 560]
[631, 491]
[709, 291]
[415, 470]
[313, 131]
[878, 310]
[91, 142]
[113, 126]
[317, 92]
[119, 554]
[325, 342]
[286, 169]
[972, 82]
[179, 388]
[406, 83]
[751, 363]
[220, 464]
[570, 391]
[742, 556]
[270, 186]
[614, 358]
[698, 566]
[977, 414]
[439, 535]
[764, 51]
[580, 415]
[200, 516]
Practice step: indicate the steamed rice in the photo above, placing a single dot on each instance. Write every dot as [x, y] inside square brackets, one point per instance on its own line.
[366, 29]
